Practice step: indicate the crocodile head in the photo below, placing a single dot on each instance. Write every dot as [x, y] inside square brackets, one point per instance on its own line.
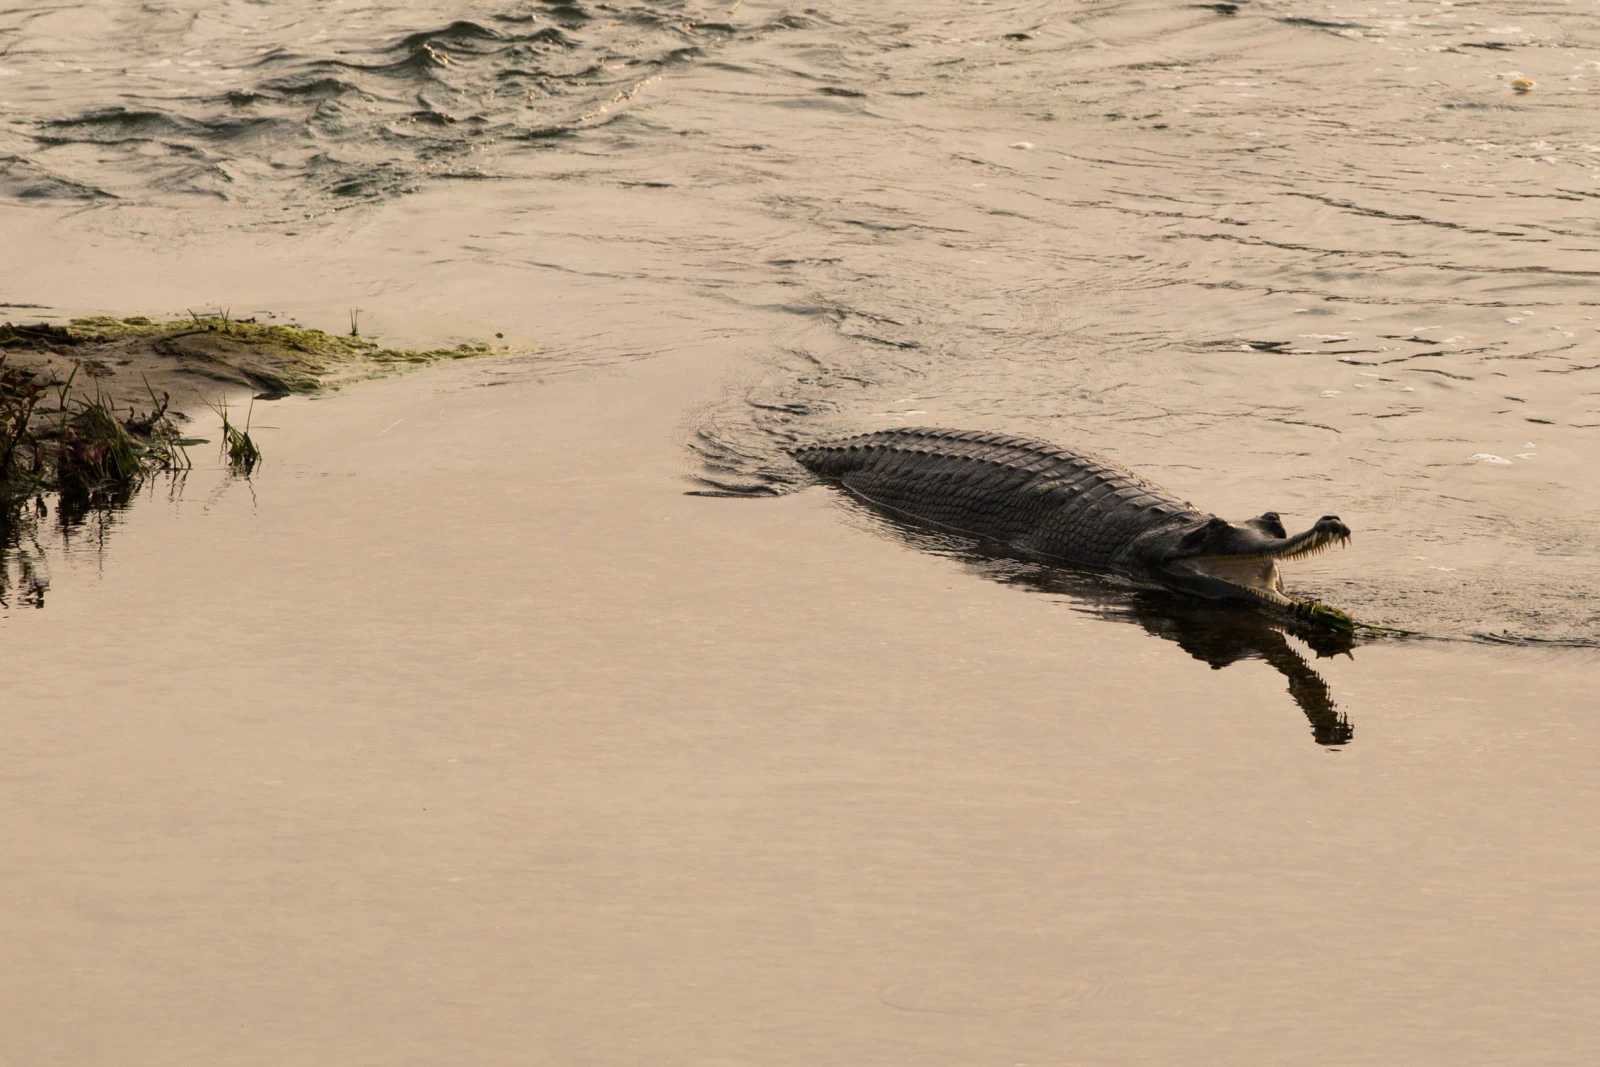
[1212, 557]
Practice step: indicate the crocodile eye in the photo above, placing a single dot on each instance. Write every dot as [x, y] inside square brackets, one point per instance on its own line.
[1200, 534]
[1272, 524]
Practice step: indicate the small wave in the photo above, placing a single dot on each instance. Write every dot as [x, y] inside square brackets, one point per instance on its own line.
[115, 125]
[346, 118]
[459, 32]
[26, 180]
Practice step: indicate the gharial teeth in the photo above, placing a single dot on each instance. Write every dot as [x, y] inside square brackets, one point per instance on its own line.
[1322, 543]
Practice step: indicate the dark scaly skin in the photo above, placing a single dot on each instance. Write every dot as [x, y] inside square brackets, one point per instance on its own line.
[1046, 502]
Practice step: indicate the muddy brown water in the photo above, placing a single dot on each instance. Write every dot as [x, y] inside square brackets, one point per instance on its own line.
[463, 733]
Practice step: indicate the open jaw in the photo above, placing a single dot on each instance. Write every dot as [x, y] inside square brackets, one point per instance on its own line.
[1256, 573]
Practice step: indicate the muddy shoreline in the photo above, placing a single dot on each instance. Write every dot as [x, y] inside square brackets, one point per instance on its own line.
[102, 401]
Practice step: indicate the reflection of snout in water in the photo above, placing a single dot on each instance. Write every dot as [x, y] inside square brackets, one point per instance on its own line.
[1215, 632]
[1220, 634]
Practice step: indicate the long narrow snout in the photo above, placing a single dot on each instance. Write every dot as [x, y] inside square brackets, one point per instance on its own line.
[1226, 560]
[1327, 532]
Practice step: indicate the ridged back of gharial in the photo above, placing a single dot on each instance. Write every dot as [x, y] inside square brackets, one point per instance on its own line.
[1040, 497]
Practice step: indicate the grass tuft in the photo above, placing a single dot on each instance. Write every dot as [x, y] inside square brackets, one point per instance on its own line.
[238, 447]
[83, 446]
[19, 395]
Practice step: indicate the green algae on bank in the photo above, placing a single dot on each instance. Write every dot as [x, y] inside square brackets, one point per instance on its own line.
[279, 358]
[1315, 611]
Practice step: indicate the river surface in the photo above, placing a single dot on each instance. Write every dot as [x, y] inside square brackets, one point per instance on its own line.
[540, 710]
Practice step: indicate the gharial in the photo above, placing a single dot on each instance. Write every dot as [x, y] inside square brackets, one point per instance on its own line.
[1041, 502]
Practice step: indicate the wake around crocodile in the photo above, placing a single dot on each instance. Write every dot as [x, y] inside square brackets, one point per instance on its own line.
[1042, 502]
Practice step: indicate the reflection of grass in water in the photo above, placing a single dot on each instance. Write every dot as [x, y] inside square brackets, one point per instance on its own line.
[22, 557]
[33, 525]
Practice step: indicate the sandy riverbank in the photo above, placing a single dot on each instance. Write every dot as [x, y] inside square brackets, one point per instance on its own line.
[101, 401]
